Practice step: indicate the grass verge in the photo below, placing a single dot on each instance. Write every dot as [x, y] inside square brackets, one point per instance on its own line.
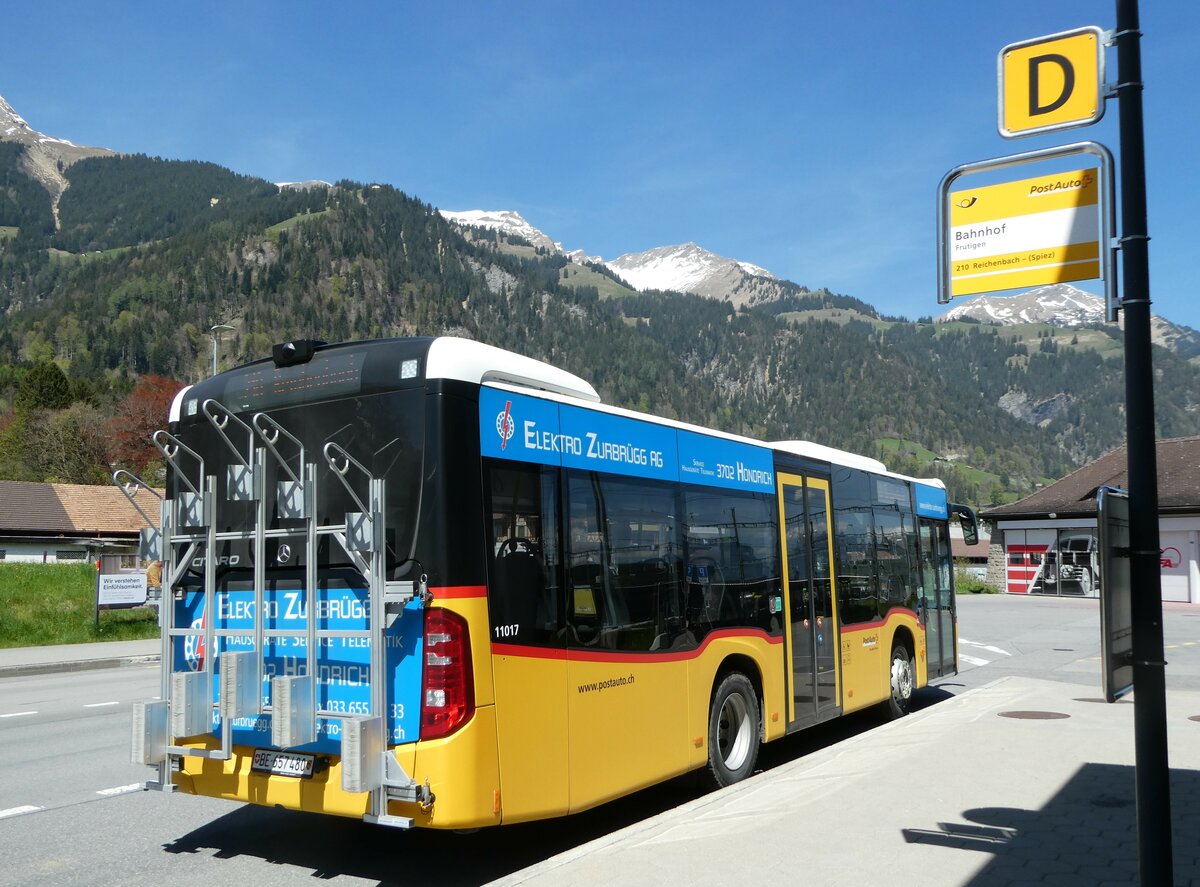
[965, 583]
[42, 604]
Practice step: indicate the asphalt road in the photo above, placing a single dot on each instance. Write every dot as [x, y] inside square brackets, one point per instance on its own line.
[1057, 639]
[70, 811]
[64, 738]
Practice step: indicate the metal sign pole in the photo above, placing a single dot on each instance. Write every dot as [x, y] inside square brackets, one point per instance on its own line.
[1149, 668]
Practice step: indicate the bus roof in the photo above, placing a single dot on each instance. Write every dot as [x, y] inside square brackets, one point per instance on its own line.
[468, 361]
[810, 450]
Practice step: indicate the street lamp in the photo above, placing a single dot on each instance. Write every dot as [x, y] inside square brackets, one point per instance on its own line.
[215, 332]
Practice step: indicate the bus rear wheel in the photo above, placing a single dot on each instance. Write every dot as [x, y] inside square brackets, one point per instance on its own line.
[903, 681]
[733, 730]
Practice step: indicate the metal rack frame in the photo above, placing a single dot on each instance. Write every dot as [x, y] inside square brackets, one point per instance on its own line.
[188, 529]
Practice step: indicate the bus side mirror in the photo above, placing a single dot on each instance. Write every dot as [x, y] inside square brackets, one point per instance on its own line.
[970, 526]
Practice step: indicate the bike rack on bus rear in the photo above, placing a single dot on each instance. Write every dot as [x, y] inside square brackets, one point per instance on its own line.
[188, 523]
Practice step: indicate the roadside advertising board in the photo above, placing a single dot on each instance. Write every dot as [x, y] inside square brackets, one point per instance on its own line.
[115, 590]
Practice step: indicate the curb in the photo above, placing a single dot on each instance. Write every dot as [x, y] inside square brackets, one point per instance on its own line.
[17, 671]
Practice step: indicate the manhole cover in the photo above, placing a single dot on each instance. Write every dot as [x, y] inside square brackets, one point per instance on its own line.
[1194, 718]
[1034, 715]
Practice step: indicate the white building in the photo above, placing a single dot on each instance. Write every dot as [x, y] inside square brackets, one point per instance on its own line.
[1046, 542]
[69, 523]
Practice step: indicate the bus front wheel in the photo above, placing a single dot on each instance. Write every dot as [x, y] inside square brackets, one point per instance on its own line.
[903, 681]
[733, 730]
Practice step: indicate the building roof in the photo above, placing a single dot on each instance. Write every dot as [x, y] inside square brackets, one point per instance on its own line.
[960, 548]
[1075, 495]
[73, 509]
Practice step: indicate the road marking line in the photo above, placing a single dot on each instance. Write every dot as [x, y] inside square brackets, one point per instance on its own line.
[100, 704]
[121, 789]
[984, 647]
[18, 714]
[971, 660]
[17, 811]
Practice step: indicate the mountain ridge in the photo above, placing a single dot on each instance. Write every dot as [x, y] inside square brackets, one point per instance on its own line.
[682, 268]
[685, 267]
[147, 262]
[1066, 306]
[690, 268]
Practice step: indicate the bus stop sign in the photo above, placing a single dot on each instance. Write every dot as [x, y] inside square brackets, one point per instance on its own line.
[1050, 83]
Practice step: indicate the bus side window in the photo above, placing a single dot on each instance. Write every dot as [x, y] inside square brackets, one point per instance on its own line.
[895, 549]
[944, 563]
[624, 563]
[858, 589]
[732, 570]
[587, 600]
[523, 592]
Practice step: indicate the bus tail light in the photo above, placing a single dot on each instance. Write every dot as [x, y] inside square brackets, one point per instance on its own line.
[447, 686]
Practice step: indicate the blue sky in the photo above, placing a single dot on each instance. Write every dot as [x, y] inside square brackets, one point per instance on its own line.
[806, 138]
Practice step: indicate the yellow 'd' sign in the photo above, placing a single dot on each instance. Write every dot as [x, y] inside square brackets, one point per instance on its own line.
[1051, 83]
[1022, 234]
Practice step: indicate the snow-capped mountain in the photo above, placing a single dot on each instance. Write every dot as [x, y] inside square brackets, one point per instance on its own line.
[1061, 304]
[45, 156]
[685, 268]
[306, 185]
[689, 268]
[506, 222]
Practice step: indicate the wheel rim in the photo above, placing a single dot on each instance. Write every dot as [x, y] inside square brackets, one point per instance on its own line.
[902, 679]
[734, 732]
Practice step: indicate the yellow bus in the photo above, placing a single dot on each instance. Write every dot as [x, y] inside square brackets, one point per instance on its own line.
[426, 582]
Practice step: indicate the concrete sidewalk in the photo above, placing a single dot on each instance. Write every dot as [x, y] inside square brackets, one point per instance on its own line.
[15, 661]
[1022, 781]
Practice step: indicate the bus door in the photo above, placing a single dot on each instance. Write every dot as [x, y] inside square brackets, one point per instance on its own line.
[937, 599]
[811, 631]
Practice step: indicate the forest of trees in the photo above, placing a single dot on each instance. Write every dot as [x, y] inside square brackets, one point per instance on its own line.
[92, 339]
[24, 204]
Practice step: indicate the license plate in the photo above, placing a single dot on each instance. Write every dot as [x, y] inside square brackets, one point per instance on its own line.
[282, 763]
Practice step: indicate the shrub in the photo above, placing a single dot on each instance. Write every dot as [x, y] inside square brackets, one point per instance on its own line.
[965, 583]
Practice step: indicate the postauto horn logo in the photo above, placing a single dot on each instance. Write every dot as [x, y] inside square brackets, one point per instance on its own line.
[506, 425]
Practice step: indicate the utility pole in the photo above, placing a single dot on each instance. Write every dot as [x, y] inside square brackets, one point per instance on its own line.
[1149, 668]
[215, 333]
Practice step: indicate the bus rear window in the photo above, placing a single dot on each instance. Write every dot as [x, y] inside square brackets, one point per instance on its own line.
[334, 372]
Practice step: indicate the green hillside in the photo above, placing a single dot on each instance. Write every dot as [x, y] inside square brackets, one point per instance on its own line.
[152, 253]
[24, 204]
